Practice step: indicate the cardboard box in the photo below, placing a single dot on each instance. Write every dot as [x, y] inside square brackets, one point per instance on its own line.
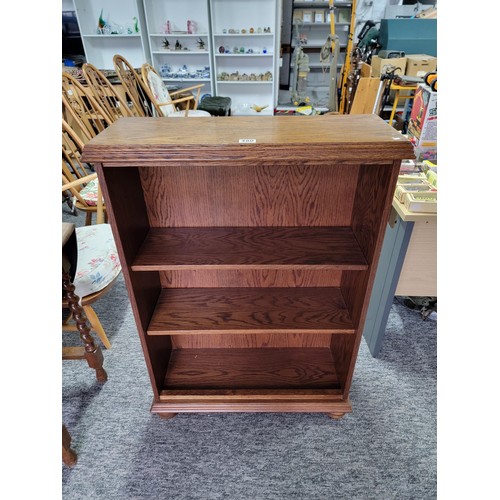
[420, 64]
[422, 126]
[319, 16]
[380, 65]
[307, 16]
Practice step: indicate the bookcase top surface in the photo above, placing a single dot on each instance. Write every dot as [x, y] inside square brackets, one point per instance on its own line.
[307, 138]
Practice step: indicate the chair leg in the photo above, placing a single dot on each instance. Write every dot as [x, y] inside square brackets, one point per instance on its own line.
[88, 218]
[69, 456]
[96, 326]
[93, 353]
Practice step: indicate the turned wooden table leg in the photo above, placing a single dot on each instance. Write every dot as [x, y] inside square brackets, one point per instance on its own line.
[336, 416]
[167, 416]
[93, 353]
[69, 456]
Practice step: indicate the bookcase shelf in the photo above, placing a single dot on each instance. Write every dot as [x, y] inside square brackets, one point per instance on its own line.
[258, 247]
[250, 310]
[249, 247]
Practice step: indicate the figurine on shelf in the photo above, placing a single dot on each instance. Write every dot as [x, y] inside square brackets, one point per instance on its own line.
[178, 46]
[257, 108]
[100, 24]
[192, 27]
[201, 44]
[251, 31]
[166, 28]
[166, 44]
[136, 24]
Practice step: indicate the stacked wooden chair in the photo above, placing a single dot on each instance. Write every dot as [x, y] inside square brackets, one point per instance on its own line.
[81, 110]
[105, 93]
[135, 89]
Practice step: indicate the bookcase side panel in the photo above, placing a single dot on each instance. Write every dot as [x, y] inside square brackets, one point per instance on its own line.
[127, 212]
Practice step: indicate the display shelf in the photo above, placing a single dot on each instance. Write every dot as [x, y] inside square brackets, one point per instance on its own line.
[103, 37]
[178, 53]
[229, 19]
[311, 28]
[126, 16]
[186, 23]
[249, 247]
[244, 55]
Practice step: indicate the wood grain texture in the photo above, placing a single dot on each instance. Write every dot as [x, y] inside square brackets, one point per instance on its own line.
[141, 141]
[250, 310]
[370, 205]
[251, 340]
[293, 404]
[225, 278]
[129, 221]
[223, 323]
[288, 193]
[234, 394]
[251, 369]
[357, 287]
[259, 248]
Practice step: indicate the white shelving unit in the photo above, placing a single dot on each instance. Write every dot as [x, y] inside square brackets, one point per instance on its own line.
[314, 28]
[185, 25]
[245, 41]
[124, 33]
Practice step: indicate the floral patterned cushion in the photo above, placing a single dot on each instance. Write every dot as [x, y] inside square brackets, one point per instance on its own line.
[89, 192]
[98, 263]
[160, 92]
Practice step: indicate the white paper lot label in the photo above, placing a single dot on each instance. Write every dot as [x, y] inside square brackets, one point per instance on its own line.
[247, 141]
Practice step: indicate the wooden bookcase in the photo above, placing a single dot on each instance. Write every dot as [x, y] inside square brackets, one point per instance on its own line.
[249, 246]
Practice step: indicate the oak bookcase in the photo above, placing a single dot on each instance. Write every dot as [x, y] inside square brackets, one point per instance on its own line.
[249, 247]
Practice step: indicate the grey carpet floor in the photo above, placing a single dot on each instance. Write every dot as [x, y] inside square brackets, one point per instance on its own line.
[385, 449]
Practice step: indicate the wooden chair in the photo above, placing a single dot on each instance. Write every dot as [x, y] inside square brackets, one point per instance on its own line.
[81, 110]
[69, 456]
[105, 93]
[135, 88]
[79, 184]
[89, 351]
[165, 101]
[97, 269]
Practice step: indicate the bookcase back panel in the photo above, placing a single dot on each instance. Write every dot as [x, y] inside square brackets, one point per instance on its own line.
[290, 194]
[249, 278]
[249, 340]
